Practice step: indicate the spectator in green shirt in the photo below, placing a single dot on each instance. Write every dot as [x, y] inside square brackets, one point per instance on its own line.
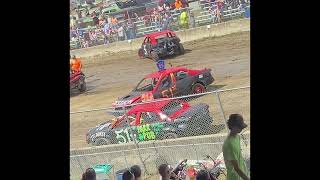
[236, 166]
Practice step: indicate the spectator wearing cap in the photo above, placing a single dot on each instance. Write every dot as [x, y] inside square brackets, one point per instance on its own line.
[236, 166]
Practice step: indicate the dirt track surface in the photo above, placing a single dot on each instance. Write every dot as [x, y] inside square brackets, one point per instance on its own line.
[115, 76]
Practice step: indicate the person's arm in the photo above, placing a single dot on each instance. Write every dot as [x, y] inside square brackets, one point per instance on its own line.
[238, 170]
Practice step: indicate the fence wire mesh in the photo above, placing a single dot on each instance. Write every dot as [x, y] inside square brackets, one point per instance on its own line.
[161, 131]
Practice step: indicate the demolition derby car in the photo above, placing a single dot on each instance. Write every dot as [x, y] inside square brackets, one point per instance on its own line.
[160, 44]
[164, 119]
[168, 83]
[77, 81]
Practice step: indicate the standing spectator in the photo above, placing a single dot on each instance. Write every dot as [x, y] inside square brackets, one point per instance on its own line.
[136, 171]
[89, 174]
[109, 19]
[121, 32]
[178, 4]
[75, 64]
[95, 20]
[203, 175]
[93, 37]
[192, 20]
[236, 166]
[114, 20]
[184, 21]
[184, 3]
[130, 26]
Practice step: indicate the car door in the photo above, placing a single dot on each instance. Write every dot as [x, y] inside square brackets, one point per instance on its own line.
[183, 83]
[167, 87]
[150, 126]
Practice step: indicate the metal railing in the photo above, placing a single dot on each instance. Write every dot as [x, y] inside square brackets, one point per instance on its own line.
[135, 146]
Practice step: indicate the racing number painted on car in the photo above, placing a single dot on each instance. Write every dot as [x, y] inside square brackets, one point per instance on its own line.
[121, 138]
[167, 93]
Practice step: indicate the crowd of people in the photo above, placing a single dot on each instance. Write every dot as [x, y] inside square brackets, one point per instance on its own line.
[107, 29]
[235, 163]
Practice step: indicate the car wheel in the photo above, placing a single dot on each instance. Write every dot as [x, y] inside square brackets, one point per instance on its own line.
[141, 54]
[154, 56]
[181, 49]
[83, 87]
[198, 88]
[101, 141]
[170, 136]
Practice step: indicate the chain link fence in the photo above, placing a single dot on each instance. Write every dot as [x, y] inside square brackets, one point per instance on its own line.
[155, 132]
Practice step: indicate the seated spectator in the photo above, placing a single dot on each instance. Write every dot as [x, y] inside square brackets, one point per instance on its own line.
[202, 175]
[178, 4]
[89, 174]
[136, 171]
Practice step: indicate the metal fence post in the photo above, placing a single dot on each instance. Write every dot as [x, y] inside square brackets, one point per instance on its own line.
[221, 110]
[135, 142]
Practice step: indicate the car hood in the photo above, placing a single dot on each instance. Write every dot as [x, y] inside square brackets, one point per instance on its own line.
[106, 126]
[129, 99]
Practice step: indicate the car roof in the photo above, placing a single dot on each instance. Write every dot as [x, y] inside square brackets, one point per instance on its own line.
[165, 72]
[149, 107]
[155, 34]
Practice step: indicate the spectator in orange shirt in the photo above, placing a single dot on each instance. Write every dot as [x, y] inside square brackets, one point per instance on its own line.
[178, 4]
[75, 64]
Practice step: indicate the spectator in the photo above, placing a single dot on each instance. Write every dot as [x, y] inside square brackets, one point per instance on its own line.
[109, 19]
[75, 64]
[127, 175]
[114, 20]
[236, 166]
[184, 21]
[121, 32]
[89, 174]
[95, 20]
[192, 20]
[178, 4]
[130, 29]
[136, 171]
[202, 175]
[184, 3]
[93, 37]
[164, 172]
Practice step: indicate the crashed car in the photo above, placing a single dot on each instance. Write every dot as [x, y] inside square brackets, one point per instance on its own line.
[168, 83]
[159, 120]
[160, 44]
[77, 81]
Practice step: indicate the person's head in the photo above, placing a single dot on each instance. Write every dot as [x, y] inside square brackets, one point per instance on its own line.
[73, 57]
[202, 175]
[164, 171]
[236, 123]
[136, 171]
[89, 174]
[128, 175]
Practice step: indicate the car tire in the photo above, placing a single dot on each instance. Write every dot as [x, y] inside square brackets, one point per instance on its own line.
[141, 54]
[198, 88]
[83, 87]
[101, 141]
[181, 49]
[170, 136]
[154, 56]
